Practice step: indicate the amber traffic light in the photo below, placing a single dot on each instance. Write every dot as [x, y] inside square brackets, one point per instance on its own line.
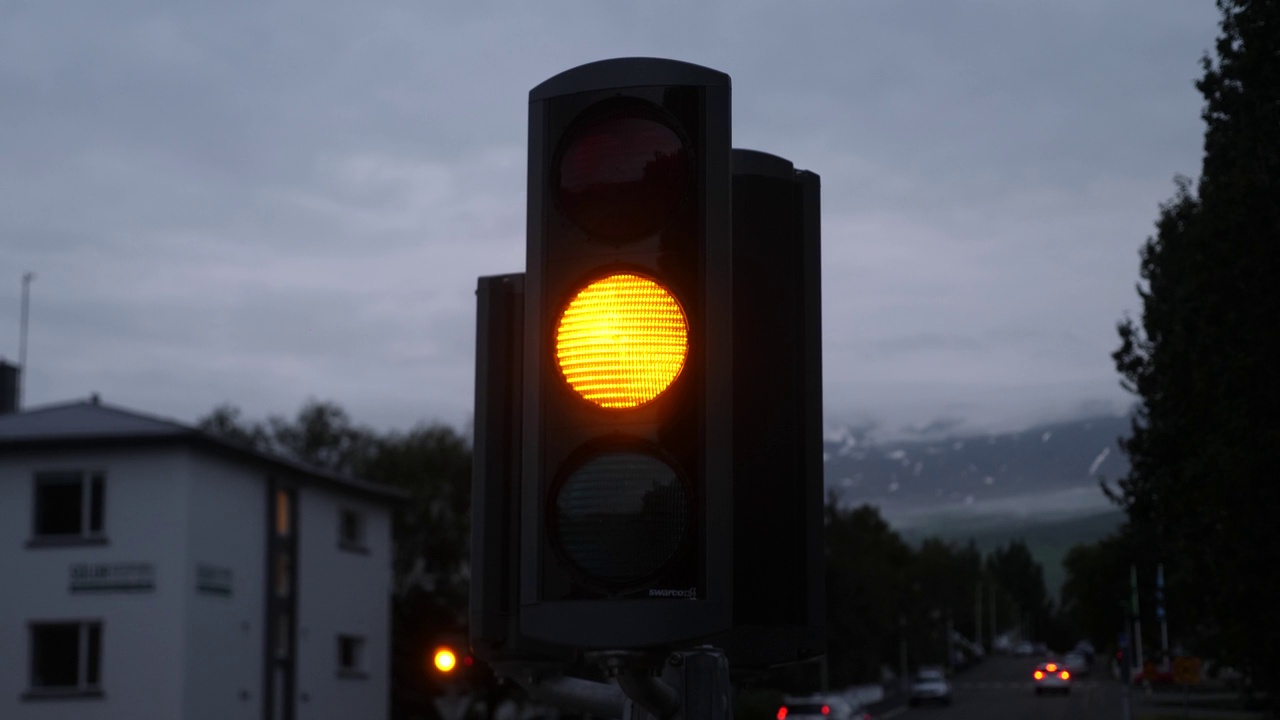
[444, 660]
[648, 391]
[627, 401]
[622, 340]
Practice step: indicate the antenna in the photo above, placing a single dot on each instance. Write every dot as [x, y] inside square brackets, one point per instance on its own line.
[22, 334]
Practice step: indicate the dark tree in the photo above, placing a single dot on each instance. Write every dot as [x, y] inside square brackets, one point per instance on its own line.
[944, 578]
[867, 564]
[1096, 590]
[1020, 579]
[225, 421]
[1204, 360]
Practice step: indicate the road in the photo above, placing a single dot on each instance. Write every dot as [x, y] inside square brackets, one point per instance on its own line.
[1001, 688]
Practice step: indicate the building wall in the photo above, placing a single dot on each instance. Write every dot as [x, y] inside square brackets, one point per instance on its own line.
[226, 566]
[142, 637]
[342, 592]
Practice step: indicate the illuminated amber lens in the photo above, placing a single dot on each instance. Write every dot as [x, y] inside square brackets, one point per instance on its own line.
[622, 341]
[445, 660]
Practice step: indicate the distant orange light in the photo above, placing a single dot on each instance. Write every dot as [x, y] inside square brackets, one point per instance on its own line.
[782, 713]
[1039, 675]
[1051, 667]
[445, 660]
[1065, 675]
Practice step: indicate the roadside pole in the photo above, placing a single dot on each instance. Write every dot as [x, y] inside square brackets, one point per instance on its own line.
[1137, 618]
[902, 652]
[951, 652]
[1126, 698]
[1164, 621]
[977, 617]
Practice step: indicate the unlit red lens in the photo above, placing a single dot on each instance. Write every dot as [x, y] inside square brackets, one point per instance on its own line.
[622, 341]
[622, 178]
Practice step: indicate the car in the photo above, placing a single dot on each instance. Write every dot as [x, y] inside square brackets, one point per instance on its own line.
[1084, 647]
[820, 707]
[1052, 677]
[930, 685]
[1076, 663]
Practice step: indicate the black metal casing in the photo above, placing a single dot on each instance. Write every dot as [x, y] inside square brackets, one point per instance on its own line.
[779, 581]
[691, 423]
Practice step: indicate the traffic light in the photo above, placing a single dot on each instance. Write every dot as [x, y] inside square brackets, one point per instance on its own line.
[626, 522]
[447, 661]
[778, 579]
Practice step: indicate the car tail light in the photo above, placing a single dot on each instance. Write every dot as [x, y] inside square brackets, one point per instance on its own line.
[1039, 676]
[1065, 675]
[1051, 667]
[826, 709]
[782, 713]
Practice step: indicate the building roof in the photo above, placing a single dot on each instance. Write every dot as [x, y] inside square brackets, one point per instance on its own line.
[91, 423]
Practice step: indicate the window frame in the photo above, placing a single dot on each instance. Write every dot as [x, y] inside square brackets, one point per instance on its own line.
[357, 669]
[92, 484]
[358, 543]
[87, 661]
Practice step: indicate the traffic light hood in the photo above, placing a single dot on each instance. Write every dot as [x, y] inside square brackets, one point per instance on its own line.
[624, 73]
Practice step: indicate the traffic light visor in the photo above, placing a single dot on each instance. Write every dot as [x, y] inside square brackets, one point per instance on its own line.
[622, 340]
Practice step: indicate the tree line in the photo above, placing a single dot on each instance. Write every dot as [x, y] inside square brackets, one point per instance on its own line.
[883, 596]
[1203, 360]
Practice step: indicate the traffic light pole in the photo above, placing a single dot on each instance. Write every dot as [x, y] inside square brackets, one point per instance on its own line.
[691, 685]
[545, 685]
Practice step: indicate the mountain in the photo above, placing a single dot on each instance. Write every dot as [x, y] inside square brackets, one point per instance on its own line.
[1038, 485]
[1047, 472]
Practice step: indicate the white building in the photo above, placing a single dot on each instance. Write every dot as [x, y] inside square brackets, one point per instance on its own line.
[148, 570]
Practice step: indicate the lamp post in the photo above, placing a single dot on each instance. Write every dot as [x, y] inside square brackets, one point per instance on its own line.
[22, 333]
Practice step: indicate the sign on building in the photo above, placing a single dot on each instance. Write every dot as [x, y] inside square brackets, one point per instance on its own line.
[213, 580]
[112, 577]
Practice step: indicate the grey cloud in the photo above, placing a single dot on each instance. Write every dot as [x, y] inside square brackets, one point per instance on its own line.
[261, 203]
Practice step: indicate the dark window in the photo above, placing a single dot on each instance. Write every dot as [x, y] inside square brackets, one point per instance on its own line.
[284, 573]
[93, 661]
[69, 505]
[66, 656]
[95, 504]
[351, 530]
[350, 654]
[283, 623]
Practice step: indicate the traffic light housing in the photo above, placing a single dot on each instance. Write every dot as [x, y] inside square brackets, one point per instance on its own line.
[648, 470]
[628, 357]
[779, 576]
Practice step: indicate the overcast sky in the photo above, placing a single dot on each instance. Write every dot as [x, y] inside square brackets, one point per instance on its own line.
[261, 202]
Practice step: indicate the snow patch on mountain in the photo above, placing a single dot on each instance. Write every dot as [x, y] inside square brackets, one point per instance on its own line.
[1097, 462]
